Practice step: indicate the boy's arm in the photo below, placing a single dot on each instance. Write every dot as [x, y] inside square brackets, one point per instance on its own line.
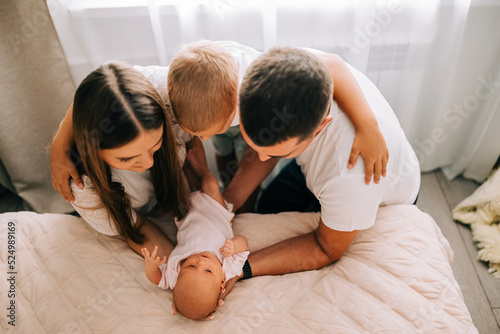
[196, 145]
[210, 186]
[194, 180]
[152, 264]
[369, 141]
[61, 167]
[209, 183]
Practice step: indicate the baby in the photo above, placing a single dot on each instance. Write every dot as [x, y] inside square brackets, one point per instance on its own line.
[207, 254]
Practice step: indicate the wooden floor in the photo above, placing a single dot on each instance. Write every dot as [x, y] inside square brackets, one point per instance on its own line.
[481, 291]
[438, 197]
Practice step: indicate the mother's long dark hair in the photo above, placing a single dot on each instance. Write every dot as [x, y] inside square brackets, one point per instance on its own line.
[111, 106]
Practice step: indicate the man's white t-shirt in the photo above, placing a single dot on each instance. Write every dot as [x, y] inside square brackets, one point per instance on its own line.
[347, 203]
[138, 186]
[205, 228]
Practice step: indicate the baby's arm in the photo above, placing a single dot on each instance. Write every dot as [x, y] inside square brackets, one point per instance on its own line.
[236, 245]
[152, 264]
[209, 183]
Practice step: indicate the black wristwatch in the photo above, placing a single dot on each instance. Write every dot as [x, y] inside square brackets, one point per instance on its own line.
[247, 271]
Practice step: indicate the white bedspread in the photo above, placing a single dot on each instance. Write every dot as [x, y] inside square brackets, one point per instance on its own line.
[394, 278]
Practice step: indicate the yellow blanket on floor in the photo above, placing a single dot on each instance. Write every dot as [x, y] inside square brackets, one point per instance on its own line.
[481, 211]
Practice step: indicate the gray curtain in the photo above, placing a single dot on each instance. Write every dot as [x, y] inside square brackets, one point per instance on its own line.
[36, 89]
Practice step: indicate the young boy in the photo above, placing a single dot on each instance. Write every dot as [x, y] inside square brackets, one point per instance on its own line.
[317, 133]
[203, 83]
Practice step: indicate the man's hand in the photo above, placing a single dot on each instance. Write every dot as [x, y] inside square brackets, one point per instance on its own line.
[370, 143]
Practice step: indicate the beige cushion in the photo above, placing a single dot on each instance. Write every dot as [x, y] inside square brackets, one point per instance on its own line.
[36, 91]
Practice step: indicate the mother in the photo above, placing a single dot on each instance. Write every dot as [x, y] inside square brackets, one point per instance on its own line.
[130, 155]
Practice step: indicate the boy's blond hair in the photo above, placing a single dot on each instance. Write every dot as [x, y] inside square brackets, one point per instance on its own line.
[203, 86]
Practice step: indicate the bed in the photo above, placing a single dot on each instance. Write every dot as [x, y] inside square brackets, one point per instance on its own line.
[394, 278]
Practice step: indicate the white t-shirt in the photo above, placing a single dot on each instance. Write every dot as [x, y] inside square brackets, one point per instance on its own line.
[347, 203]
[138, 186]
[243, 56]
[205, 228]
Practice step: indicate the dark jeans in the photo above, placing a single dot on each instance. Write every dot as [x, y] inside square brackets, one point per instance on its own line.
[288, 192]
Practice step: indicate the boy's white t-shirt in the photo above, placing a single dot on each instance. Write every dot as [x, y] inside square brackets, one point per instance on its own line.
[205, 228]
[138, 186]
[347, 203]
[243, 56]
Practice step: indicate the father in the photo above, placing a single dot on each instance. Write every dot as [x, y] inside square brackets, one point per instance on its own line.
[287, 111]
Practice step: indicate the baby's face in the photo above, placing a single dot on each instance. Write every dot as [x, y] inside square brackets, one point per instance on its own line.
[203, 268]
[199, 285]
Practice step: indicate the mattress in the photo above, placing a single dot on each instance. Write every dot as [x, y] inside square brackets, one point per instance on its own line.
[63, 277]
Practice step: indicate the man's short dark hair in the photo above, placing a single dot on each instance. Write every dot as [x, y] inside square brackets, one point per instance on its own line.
[285, 94]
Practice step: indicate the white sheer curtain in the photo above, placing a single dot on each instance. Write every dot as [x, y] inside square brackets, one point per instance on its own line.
[436, 62]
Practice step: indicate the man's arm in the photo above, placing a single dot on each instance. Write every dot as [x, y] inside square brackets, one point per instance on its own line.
[347, 202]
[251, 172]
[369, 141]
[309, 251]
